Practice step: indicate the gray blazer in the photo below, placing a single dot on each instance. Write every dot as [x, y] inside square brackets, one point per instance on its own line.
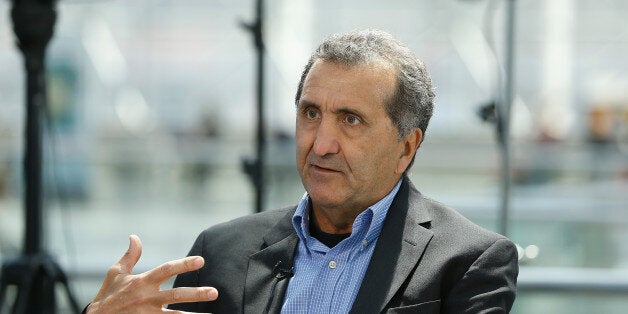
[428, 259]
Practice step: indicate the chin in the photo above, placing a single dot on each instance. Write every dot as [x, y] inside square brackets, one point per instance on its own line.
[324, 198]
[325, 191]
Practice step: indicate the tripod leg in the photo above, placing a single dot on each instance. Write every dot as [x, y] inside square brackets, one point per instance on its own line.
[73, 304]
[3, 291]
[54, 274]
[24, 291]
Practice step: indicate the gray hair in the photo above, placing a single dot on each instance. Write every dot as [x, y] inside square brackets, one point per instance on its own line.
[413, 103]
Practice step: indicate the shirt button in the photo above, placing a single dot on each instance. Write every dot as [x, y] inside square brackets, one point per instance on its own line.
[365, 243]
[332, 264]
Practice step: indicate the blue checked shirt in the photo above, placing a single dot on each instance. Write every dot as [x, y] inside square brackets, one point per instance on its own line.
[327, 280]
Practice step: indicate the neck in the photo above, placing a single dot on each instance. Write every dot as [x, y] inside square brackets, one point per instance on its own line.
[339, 220]
[329, 221]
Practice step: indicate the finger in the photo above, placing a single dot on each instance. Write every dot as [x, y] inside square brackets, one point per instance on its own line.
[179, 312]
[131, 256]
[169, 269]
[187, 294]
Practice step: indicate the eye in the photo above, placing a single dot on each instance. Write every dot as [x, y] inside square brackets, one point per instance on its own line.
[352, 120]
[311, 113]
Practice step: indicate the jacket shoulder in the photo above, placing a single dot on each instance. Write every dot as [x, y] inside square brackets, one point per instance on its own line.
[450, 224]
[249, 230]
[252, 223]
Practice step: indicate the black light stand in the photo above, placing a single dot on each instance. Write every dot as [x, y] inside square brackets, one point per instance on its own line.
[254, 168]
[499, 114]
[504, 117]
[34, 273]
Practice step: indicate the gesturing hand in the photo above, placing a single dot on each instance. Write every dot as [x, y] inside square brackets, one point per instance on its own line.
[123, 292]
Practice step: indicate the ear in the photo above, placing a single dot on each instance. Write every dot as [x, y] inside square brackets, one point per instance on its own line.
[410, 143]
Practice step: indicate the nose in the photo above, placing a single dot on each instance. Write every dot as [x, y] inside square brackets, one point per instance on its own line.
[326, 141]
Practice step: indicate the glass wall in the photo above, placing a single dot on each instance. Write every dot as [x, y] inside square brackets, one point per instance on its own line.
[152, 110]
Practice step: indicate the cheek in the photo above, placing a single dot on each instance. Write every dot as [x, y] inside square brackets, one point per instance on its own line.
[384, 159]
[303, 146]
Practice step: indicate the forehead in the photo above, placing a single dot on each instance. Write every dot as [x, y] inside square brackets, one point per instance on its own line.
[372, 82]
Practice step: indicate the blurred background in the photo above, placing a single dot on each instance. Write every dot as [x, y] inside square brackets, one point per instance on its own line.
[152, 110]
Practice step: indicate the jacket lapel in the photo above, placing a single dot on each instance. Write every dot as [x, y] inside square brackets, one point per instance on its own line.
[269, 269]
[397, 251]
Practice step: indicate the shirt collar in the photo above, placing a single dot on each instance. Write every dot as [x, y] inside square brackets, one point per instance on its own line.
[367, 225]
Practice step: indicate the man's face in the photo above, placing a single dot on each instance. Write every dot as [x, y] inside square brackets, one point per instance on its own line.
[348, 152]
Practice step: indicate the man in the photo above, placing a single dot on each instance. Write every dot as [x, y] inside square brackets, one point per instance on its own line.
[362, 239]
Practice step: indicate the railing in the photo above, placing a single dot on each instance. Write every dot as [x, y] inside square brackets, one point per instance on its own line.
[563, 279]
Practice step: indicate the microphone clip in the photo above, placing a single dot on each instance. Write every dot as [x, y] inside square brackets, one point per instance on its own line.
[282, 273]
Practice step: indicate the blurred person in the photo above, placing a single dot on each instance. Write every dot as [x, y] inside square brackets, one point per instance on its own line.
[362, 239]
[603, 134]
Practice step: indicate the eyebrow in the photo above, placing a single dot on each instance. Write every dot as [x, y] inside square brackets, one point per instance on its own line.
[306, 103]
[352, 112]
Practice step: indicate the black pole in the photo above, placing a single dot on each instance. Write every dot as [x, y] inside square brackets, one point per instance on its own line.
[32, 41]
[34, 273]
[499, 112]
[255, 167]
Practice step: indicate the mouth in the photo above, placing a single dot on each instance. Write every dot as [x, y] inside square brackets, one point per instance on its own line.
[323, 169]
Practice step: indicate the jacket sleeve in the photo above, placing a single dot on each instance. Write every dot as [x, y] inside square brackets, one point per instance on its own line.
[489, 285]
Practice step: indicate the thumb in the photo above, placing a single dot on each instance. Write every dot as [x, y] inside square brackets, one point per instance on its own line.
[131, 256]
